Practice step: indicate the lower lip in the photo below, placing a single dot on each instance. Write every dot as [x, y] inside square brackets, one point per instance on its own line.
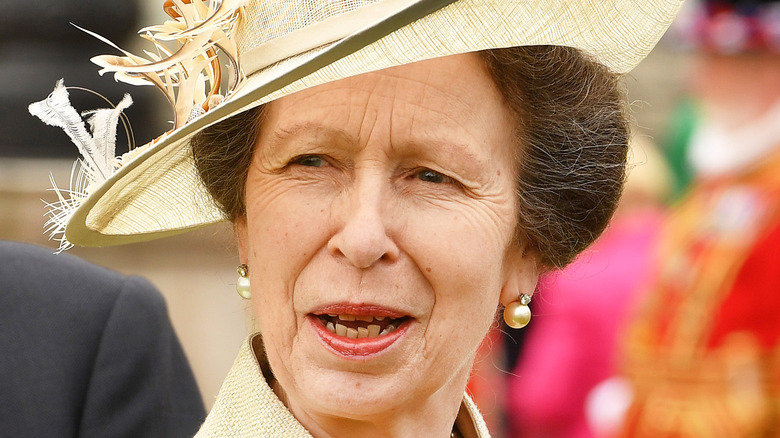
[356, 348]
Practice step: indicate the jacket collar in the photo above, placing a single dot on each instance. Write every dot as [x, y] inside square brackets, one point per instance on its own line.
[246, 406]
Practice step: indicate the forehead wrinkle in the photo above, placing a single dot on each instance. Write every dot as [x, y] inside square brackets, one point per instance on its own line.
[420, 114]
[366, 125]
[430, 92]
[429, 86]
[391, 81]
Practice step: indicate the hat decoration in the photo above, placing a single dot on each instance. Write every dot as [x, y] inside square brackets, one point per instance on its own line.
[274, 48]
[96, 146]
[189, 74]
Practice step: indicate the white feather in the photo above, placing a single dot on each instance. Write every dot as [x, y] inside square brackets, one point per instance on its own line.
[68, 201]
[97, 148]
[56, 110]
[103, 123]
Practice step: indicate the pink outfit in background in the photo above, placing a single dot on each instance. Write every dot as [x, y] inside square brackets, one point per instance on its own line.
[579, 314]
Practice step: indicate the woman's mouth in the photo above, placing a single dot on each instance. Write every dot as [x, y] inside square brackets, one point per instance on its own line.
[359, 331]
[360, 326]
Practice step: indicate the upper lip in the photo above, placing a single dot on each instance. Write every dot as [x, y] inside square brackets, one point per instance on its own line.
[359, 309]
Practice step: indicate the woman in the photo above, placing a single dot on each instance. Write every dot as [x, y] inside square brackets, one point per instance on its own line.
[391, 180]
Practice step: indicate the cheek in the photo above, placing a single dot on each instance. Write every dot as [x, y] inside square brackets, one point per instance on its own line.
[464, 247]
[285, 229]
[465, 310]
[463, 259]
[283, 234]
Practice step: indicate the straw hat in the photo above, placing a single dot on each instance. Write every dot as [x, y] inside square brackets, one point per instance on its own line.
[279, 47]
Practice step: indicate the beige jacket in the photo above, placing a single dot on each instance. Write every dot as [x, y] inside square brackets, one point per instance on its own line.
[247, 407]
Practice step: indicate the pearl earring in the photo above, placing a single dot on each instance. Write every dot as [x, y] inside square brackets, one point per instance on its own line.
[517, 314]
[242, 287]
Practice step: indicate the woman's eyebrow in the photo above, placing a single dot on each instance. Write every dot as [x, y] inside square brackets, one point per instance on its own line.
[458, 154]
[316, 130]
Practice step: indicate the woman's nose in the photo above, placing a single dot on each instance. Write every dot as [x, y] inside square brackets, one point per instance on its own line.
[362, 235]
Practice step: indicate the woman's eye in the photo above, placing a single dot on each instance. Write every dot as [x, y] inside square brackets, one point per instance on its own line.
[310, 160]
[432, 176]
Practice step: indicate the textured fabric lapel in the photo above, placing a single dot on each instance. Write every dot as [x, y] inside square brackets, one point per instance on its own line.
[247, 407]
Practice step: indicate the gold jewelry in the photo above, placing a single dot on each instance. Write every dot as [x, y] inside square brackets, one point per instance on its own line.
[242, 287]
[517, 314]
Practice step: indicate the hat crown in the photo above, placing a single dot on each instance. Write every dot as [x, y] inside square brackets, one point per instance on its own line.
[263, 21]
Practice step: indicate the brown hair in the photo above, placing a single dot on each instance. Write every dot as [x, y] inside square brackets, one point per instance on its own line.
[571, 150]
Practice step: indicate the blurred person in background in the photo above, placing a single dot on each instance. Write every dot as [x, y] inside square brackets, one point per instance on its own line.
[87, 352]
[581, 311]
[702, 358]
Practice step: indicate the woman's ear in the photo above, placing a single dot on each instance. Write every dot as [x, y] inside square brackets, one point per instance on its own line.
[240, 228]
[520, 276]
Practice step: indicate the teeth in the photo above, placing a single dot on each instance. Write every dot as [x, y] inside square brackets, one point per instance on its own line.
[365, 318]
[380, 318]
[347, 317]
[387, 329]
[371, 331]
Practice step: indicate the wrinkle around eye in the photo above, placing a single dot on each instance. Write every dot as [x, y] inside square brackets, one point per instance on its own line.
[310, 160]
[314, 169]
[432, 176]
[437, 180]
[426, 183]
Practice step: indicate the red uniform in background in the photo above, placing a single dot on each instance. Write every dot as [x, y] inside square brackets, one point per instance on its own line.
[704, 354]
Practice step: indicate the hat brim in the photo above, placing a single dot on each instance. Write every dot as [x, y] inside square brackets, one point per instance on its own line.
[159, 193]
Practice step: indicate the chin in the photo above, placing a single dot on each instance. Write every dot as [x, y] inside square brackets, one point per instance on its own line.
[362, 396]
[353, 389]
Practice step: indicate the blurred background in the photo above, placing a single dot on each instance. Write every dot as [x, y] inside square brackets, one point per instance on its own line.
[197, 271]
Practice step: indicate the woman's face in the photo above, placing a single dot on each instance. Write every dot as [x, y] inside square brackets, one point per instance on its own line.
[382, 207]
